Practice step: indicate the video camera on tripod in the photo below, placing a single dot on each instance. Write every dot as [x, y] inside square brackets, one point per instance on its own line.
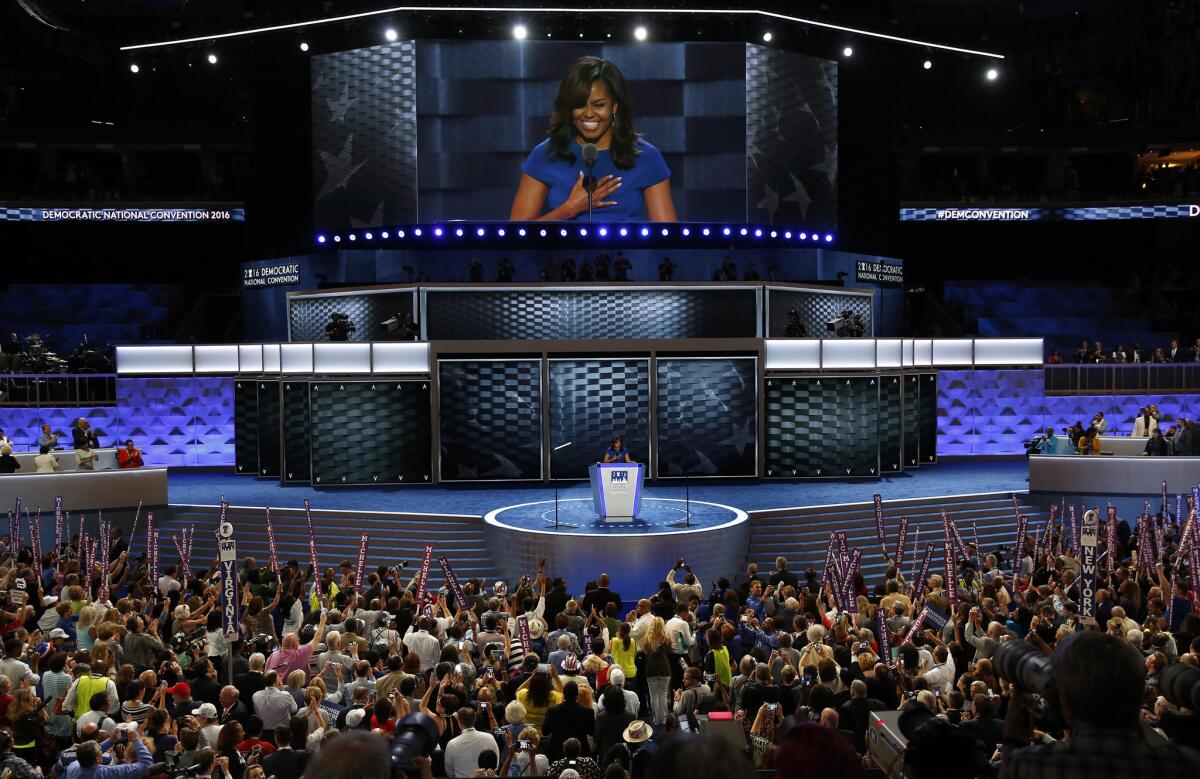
[847, 325]
[339, 327]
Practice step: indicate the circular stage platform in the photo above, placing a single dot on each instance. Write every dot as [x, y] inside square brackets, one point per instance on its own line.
[635, 552]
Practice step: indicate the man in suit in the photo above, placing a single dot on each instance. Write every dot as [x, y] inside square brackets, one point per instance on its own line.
[600, 597]
[983, 725]
[290, 758]
[1175, 353]
[1143, 424]
[568, 720]
[82, 435]
[1196, 351]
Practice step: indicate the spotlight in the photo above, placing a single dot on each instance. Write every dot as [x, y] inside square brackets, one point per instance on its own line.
[542, 232]
[320, 239]
[583, 232]
[767, 37]
[624, 232]
[400, 233]
[521, 232]
[437, 232]
[369, 237]
[458, 231]
[384, 235]
[134, 68]
[337, 239]
[303, 46]
[705, 231]
[480, 232]
[500, 231]
[828, 237]
[788, 235]
[640, 33]
[993, 74]
[645, 231]
[665, 232]
[212, 59]
[417, 232]
[758, 232]
[726, 231]
[774, 234]
[686, 232]
[801, 236]
[603, 231]
[815, 237]
[927, 64]
[744, 231]
[391, 35]
[562, 231]
[848, 52]
[353, 237]
[519, 32]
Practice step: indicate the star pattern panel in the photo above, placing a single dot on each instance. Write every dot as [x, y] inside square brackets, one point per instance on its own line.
[707, 417]
[822, 426]
[590, 402]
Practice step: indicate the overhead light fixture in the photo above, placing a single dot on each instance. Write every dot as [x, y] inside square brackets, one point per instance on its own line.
[927, 64]
[992, 74]
[391, 35]
[519, 32]
[212, 59]
[134, 68]
[640, 33]
[767, 36]
[303, 46]
[847, 52]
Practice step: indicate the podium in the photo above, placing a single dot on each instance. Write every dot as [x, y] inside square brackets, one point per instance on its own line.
[617, 489]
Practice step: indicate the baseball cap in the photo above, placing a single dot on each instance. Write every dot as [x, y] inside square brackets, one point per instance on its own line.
[182, 688]
[355, 717]
[206, 710]
[58, 633]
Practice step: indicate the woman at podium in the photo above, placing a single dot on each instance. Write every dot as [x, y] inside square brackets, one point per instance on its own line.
[617, 453]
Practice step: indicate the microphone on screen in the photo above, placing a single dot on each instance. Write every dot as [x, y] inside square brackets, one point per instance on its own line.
[590, 153]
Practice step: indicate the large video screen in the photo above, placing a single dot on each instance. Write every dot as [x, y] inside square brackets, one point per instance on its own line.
[430, 131]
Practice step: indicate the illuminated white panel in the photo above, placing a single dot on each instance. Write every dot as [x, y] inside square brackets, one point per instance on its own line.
[952, 351]
[1009, 351]
[250, 358]
[789, 354]
[216, 358]
[922, 352]
[296, 358]
[403, 357]
[145, 360]
[342, 358]
[887, 352]
[906, 353]
[843, 353]
[270, 358]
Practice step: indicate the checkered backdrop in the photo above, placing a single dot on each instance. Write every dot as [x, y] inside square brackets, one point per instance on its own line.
[707, 417]
[268, 429]
[927, 419]
[570, 314]
[308, 316]
[590, 402]
[245, 425]
[822, 426]
[891, 423]
[815, 309]
[369, 432]
[294, 458]
[490, 415]
[912, 415]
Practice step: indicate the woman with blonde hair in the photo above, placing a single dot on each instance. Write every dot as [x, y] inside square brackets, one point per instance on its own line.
[658, 669]
[28, 718]
[85, 628]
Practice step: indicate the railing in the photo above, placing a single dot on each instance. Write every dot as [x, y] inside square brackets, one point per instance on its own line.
[1125, 378]
[58, 389]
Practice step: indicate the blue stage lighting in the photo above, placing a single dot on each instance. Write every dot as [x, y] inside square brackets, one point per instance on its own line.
[603, 231]
[337, 239]
[320, 239]
[353, 237]
[774, 234]
[645, 231]
[542, 232]
[583, 231]
[665, 232]
[828, 237]
[562, 231]
[500, 231]
[384, 235]
[788, 235]
[521, 232]
[815, 237]
[705, 231]
[480, 231]
[686, 232]
[801, 236]
[417, 231]
[726, 231]
[437, 232]
[399, 233]
[458, 231]
[369, 237]
[758, 232]
[624, 232]
[744, 231]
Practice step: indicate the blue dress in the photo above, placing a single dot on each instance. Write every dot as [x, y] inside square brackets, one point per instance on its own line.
[619, 454]
[649, 168]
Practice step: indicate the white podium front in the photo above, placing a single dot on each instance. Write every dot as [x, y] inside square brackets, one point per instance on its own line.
[617, 489]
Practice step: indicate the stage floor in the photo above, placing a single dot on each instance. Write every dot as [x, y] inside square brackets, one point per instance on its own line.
[951, 478]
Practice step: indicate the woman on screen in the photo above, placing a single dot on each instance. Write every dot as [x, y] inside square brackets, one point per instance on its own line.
[630, 181]
[617, 453]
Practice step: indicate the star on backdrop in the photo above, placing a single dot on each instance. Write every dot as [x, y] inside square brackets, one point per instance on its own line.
[339, 168]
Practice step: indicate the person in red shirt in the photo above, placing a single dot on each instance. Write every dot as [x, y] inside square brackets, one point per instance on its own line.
[130, 456]
[253, 739]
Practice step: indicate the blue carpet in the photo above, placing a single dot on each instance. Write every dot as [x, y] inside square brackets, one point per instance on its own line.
[953, 478]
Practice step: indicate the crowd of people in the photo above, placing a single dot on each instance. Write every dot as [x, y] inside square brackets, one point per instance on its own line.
[1094, 353]
[108, 673]
[1176, 440]
[84, 440]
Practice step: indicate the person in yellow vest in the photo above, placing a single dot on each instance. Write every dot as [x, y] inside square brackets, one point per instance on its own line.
[86, 685]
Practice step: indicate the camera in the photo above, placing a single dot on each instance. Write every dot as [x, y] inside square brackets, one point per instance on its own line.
[795, 328]
[1024, 665]
[847, 325]
[339, 327]
[416, 735]
[186, 642]
[1180, 684]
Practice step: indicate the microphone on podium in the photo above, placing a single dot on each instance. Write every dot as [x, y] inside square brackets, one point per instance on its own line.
[590, 154]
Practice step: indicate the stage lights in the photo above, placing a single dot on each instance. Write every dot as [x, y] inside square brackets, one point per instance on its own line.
[688, 232]
[665, 232]
[417, 232]
[828, 237]
[645, 232]
[542, 232]
[320, 239]
[927, 64]
[705, 232]
[519, 32]
[767, 36]
[353, 237]
[726, 231]
[640, 33]
[624, 232]
[391, 35]
[134, 68]
[815, 237]
[788, 235]
[774, 234]
[521, 232]
[992, 74]
[303, 46]
[848, 52]
[801, 236]
[500, 231]
[337, 239]
[458, 231]
[212, 59]
[603, 231]
[758, 232]
[562, 231]
[583, 232]
[744, 231]
[480, 232]
[368, 236]
[384, 235]
[400, 233]
[437, 232]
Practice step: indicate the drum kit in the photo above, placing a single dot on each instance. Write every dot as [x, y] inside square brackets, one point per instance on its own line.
[37, 357]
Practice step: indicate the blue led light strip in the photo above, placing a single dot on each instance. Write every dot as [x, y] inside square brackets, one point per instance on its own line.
[627, 234]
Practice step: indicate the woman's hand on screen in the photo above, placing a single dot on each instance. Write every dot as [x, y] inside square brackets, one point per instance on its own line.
[577, 201]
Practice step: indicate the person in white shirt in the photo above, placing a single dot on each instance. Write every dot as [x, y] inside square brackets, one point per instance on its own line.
[272, 704]
[691, 586]
[167, 583]
[45, 462]
[427, 647]
[1100, 423]
[1144, 424]
[940, 674]
[206, 723]
[641, 624]
[463, 751]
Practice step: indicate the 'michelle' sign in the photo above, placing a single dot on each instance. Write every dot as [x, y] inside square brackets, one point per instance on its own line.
[879, 272]
[271, 275]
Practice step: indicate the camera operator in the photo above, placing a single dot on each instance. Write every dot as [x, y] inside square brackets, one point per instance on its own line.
[339, 327]
[1100, 681]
